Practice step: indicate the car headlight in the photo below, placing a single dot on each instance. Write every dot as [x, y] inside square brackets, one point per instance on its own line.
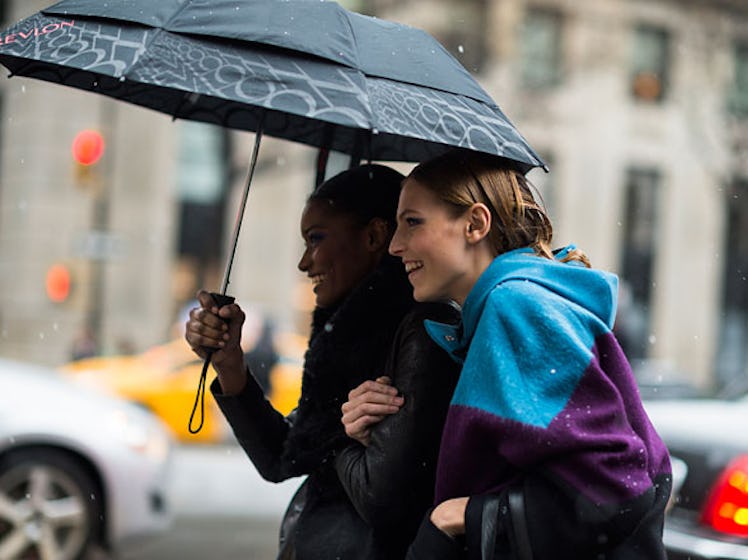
[140, 436]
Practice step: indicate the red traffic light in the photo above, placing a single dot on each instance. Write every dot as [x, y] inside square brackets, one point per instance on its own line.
[58, 283]
[88, 147]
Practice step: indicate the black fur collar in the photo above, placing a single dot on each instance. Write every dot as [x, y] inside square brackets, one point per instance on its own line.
[348, 345]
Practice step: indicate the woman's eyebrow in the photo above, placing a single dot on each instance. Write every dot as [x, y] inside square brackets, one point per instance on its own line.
[305, 231]
[405, 211]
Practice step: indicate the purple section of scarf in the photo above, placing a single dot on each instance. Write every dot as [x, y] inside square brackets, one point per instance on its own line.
[602, 443]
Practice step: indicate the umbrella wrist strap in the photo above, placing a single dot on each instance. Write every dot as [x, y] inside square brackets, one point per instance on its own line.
[200, 398]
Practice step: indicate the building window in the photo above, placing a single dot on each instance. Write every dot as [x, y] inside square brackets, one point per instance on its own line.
[540, 49]
[640, 224]
[370, 7]
[202, 181]
[738, 95]
[649, 65]
[732, 353]
[464, 36]
[361, 6]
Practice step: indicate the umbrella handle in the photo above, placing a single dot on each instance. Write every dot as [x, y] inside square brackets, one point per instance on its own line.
[220, 300]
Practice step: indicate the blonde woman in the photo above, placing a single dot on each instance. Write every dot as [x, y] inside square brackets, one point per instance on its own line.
[547, 452]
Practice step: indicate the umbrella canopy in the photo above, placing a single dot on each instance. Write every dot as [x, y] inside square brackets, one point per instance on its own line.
[308, 70]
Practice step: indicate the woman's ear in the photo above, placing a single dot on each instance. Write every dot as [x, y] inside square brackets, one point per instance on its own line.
[377, 234]
[478, 222]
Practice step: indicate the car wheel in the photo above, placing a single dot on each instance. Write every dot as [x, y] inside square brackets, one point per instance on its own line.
[50, 507]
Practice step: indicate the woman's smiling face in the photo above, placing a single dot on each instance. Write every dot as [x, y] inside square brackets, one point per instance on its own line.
[337, 256]
[432, 245]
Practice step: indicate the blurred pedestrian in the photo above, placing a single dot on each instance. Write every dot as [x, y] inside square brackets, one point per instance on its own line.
[85, 345]
[258, 342]
[360, 500]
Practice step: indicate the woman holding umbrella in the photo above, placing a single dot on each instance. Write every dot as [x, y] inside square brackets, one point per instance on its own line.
[358, 501]
[547, 452]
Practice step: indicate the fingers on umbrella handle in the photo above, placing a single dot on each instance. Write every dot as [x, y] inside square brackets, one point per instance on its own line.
[221, 299]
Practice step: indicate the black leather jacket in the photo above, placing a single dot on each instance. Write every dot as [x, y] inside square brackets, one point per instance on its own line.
[357, 502]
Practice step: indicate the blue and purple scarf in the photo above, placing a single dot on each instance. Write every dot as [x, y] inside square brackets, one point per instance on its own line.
[544, 387]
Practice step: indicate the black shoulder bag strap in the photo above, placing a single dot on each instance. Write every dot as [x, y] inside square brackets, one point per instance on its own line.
[516, 500]
[488, 526]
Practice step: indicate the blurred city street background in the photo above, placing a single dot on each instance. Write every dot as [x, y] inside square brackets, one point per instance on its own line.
[223, 509]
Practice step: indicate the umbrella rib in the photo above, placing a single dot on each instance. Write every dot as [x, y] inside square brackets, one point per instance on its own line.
[186, 96]
[19, 71]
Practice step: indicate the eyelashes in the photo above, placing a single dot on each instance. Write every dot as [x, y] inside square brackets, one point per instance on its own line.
[314, 239]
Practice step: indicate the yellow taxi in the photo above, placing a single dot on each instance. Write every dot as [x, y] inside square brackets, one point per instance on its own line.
[164, 379]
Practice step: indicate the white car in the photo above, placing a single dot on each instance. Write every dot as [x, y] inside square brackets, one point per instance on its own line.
[79, 470]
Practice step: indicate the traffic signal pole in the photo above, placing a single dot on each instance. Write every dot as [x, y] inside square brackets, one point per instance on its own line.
[100, 223]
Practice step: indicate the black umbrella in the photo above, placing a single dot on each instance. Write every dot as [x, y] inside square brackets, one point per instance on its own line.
[310, 70]
[303, 70]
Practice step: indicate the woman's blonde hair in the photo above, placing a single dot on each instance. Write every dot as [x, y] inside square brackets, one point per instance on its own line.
[460, 178]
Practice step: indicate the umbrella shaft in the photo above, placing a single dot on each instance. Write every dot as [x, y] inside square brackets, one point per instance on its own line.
[240, 213]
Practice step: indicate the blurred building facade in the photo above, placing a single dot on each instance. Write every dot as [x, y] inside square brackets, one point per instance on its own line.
[641, 110]
[639, 107]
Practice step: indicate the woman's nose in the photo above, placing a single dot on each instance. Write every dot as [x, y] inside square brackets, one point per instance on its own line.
[395, 246]
[303, 264]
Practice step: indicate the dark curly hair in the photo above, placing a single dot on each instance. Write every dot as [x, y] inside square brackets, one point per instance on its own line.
[365, 192]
